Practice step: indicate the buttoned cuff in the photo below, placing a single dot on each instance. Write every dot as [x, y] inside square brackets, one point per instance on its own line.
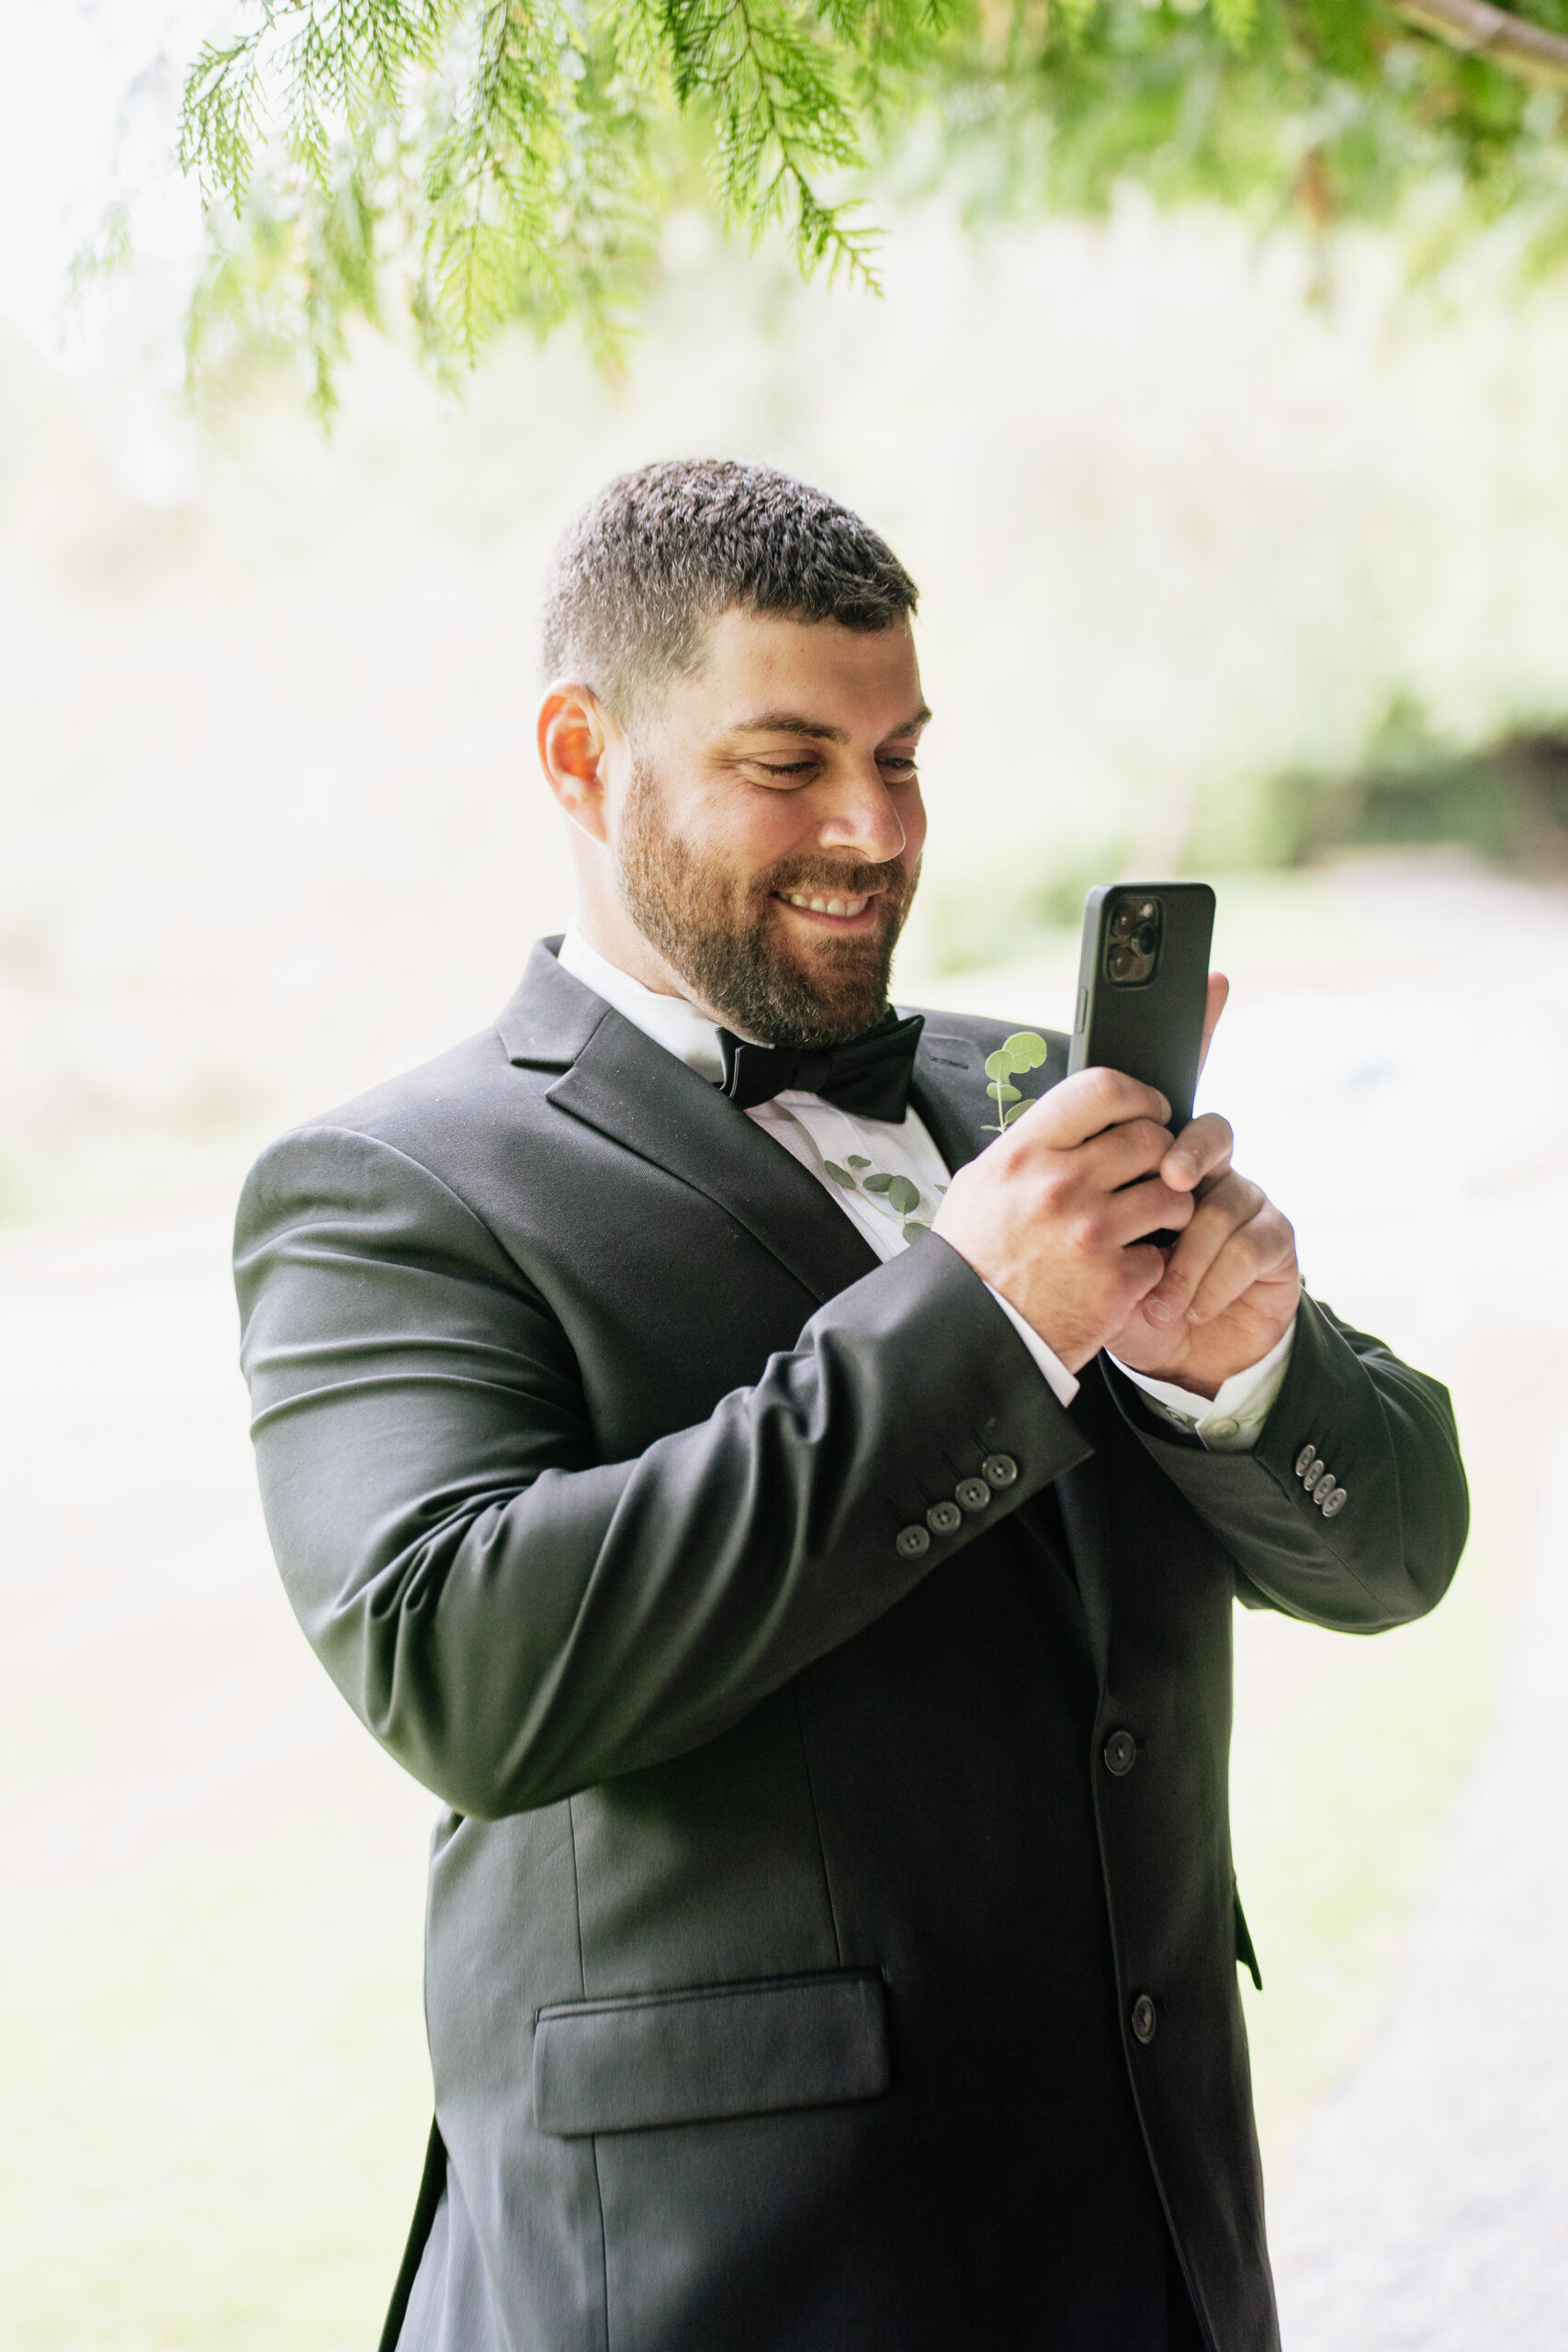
[1058, 1379]
[1231, 1422]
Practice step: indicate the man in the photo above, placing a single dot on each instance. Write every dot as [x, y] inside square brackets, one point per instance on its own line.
[797, 1536]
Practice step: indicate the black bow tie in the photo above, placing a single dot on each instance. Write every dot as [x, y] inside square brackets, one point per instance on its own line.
[870, 1074]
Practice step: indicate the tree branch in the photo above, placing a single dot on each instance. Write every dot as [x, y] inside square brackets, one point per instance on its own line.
[1474, 27]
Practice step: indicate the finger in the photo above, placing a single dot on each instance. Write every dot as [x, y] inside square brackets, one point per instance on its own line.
[1142, 1266]
[1139, 1209]
[1120, 1155]
[1214, 1004]
[1200, 1151]
[1234, 1203]
[1263, 1251]
[1085, 1105]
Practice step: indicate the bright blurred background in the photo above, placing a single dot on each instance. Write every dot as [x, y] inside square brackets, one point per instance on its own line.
[1236, 558]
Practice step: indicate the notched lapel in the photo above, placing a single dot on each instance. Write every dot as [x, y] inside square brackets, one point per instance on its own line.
[631, 1090]
[950, 1081]
[551, 1017]
[617, 1081]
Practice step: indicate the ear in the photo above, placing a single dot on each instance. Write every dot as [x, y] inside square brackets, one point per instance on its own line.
[1219, 989]
[574, 736]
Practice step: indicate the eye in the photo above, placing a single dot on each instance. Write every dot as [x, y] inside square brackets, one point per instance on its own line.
[787, 769]
[904, 761]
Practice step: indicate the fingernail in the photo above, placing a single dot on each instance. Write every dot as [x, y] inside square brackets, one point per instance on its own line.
[1159, 1310]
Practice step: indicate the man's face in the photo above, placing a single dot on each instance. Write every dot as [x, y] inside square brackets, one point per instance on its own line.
[768, 841]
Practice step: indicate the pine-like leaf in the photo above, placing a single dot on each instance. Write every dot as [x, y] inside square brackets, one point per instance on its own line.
[491, 160]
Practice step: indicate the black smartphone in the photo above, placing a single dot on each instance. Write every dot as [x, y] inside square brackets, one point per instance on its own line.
[1142, 984]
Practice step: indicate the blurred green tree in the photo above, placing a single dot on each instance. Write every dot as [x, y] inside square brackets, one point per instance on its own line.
[480, 161]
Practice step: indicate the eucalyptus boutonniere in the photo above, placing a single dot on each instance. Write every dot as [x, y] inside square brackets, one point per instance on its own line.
[1024, 1050]
[894, 1196]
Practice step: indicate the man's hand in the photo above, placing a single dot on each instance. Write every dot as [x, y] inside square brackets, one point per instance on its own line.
[1231, 1286]
[1054, 1213]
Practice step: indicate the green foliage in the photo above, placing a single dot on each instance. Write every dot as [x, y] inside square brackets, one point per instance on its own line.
[895, 1195]
[1505, 801]
[1023, 1051]
[504, 159]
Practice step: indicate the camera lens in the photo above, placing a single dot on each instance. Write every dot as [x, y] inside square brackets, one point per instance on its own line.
[1121, 922]
[1120, 963]
[1145, 942]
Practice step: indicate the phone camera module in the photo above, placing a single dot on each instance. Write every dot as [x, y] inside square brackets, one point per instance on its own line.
[1132, 940]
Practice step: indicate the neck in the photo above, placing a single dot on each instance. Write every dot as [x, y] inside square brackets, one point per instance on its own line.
[600, 917]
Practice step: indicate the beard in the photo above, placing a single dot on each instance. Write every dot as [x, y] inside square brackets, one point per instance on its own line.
[724, 935]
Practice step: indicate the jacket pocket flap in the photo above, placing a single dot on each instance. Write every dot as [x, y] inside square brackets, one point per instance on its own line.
[693, 2056]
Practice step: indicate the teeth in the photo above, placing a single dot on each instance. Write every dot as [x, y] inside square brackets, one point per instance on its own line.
[850, 907]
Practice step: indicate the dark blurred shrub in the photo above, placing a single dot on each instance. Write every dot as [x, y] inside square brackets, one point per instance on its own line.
[1505, 801]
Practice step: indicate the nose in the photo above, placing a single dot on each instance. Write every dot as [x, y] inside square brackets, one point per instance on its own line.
[862, 819]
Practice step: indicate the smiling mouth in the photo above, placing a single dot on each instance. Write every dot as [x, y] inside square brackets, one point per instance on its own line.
[847, 909]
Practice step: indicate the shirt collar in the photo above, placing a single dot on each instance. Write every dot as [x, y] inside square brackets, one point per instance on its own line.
[669, 1021]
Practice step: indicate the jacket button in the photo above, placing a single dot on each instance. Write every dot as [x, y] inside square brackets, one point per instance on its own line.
[944, 1519]
[1319, 1480]
[912, 1542]
[1121, 1753]
[1000, 1470]
[973, 1493]
[1143, 2018]
[1305, 1459]
[1331, 1504]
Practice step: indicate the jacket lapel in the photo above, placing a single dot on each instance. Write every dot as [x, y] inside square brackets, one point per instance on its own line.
[950, 1094]
[950, 1081]
[621, 1083]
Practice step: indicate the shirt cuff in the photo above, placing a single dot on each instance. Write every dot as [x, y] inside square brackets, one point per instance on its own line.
[1231, 1422]
[1058, 1379]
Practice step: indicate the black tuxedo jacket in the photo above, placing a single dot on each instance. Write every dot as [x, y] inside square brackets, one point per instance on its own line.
[810, 1963]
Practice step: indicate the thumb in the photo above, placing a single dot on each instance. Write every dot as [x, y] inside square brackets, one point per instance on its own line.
[1219, 990]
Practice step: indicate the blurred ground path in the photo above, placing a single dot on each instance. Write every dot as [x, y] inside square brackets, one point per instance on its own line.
[215, 2094]
[1414, 1113]
[1428, 2206]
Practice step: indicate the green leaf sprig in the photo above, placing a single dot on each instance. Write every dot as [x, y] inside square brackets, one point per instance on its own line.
[893, 1195]
[1024, 1050]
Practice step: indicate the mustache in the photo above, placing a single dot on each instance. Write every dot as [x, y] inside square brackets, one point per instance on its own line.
[819, 877]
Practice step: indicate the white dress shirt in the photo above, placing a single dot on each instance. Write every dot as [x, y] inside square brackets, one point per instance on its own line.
[842, 1151]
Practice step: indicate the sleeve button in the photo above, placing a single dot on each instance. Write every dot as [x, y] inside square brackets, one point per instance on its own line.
[912, 1542]
[1000, 1470]
[944, 1519]
[1331, 1504]
[1305, 1459]
[973, 1493]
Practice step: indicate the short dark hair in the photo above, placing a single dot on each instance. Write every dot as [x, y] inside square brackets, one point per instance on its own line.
[637, 576]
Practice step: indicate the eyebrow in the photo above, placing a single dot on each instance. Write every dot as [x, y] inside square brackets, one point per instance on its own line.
[816, 730]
